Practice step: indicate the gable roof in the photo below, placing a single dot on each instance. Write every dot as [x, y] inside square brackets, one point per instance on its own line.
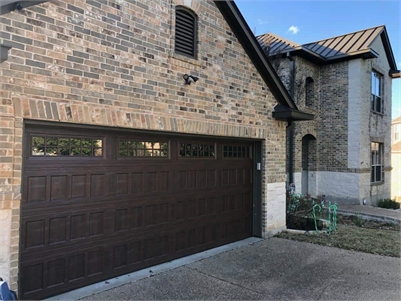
[396, 148]
[288, 109]
[396, 120]
[273, 44]
[344, 47]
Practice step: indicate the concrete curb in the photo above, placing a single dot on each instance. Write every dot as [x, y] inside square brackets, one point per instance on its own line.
[369, 216]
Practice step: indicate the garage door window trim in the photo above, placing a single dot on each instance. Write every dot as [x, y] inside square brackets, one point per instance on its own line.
[134, 148]
[237, 151]
[66, 146]
[197, 150]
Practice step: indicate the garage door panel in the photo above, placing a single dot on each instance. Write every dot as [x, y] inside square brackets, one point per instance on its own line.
[146, 200]
[36, 189]
[70, 226]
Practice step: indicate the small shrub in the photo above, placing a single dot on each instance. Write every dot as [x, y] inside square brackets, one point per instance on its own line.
[358, 221]
[300, 204]
[388, 204]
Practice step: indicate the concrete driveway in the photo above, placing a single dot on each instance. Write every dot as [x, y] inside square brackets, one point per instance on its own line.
[271, 269]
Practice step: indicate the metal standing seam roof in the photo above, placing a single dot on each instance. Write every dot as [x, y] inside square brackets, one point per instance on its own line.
[328, 49]
[273, 44]
[345, 44]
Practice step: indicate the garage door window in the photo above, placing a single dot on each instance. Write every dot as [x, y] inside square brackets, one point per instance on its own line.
[66, 146]
[197, 150]
[236, 151]
[137, 148]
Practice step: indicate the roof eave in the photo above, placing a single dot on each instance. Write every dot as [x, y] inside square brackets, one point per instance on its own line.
[292, 115]
[285, 114]
[7, 6]
[395, 73]
[240, 28]
[388, 50]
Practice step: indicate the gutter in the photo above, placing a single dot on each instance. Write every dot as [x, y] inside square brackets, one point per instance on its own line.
[290, 126]
[290, 133]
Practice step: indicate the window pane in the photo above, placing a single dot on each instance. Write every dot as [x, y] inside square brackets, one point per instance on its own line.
[378, 173]
[51, 141]
[377, 86]
[135, 148]
[64, 146]
[378, 105]
[372, 175]
[38, 146]
[51, 151]
[98, 152]
[373, 83]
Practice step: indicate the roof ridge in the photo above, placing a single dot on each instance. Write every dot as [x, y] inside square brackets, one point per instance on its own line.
[291, 43]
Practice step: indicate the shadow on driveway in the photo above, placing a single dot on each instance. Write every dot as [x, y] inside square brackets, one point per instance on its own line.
[272, 269]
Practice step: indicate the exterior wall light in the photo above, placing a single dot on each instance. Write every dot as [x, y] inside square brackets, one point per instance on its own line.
[190, 78]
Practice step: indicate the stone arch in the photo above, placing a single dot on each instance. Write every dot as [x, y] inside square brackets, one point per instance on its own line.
[191, 4]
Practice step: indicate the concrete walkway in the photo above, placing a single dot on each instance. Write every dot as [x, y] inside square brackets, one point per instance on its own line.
[271, 269]
[370, 211]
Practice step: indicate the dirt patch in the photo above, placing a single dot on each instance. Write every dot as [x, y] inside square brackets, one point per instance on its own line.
[357, 234]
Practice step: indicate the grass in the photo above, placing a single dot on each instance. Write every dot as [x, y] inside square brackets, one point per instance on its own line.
[353, 234]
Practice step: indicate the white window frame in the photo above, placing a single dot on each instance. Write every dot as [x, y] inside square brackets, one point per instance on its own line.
[377, 92]
[377, 162]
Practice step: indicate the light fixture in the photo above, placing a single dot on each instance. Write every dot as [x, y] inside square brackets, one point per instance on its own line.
[190, 78]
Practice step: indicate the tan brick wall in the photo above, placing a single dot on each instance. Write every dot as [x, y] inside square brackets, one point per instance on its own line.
[88, 62]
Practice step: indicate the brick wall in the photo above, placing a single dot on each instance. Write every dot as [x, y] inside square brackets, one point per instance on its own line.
[344, 126]
[112, 64]
[303, 70]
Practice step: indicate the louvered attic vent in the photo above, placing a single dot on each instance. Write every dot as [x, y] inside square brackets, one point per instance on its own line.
[185, 32]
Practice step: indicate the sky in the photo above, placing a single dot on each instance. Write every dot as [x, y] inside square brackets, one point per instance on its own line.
[304, 21]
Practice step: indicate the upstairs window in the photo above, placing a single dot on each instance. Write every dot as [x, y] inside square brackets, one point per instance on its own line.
[309, 92]
[185, 32]
[397, 132]
[377, 92]
[377, 173]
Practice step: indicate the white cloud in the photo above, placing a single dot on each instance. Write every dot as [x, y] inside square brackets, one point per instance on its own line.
[262, 22]
[293, 29]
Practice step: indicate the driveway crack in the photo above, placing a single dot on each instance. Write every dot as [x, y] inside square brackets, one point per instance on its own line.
[226, 281]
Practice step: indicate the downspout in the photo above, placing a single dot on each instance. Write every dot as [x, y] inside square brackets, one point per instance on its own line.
[290, 133]
[290, 126]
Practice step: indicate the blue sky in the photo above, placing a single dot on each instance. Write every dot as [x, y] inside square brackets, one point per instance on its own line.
[304, 21]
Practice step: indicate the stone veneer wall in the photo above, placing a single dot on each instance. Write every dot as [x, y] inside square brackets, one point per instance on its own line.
[112, 64]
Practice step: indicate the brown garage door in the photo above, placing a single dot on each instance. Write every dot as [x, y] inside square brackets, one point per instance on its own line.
[97, 204]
